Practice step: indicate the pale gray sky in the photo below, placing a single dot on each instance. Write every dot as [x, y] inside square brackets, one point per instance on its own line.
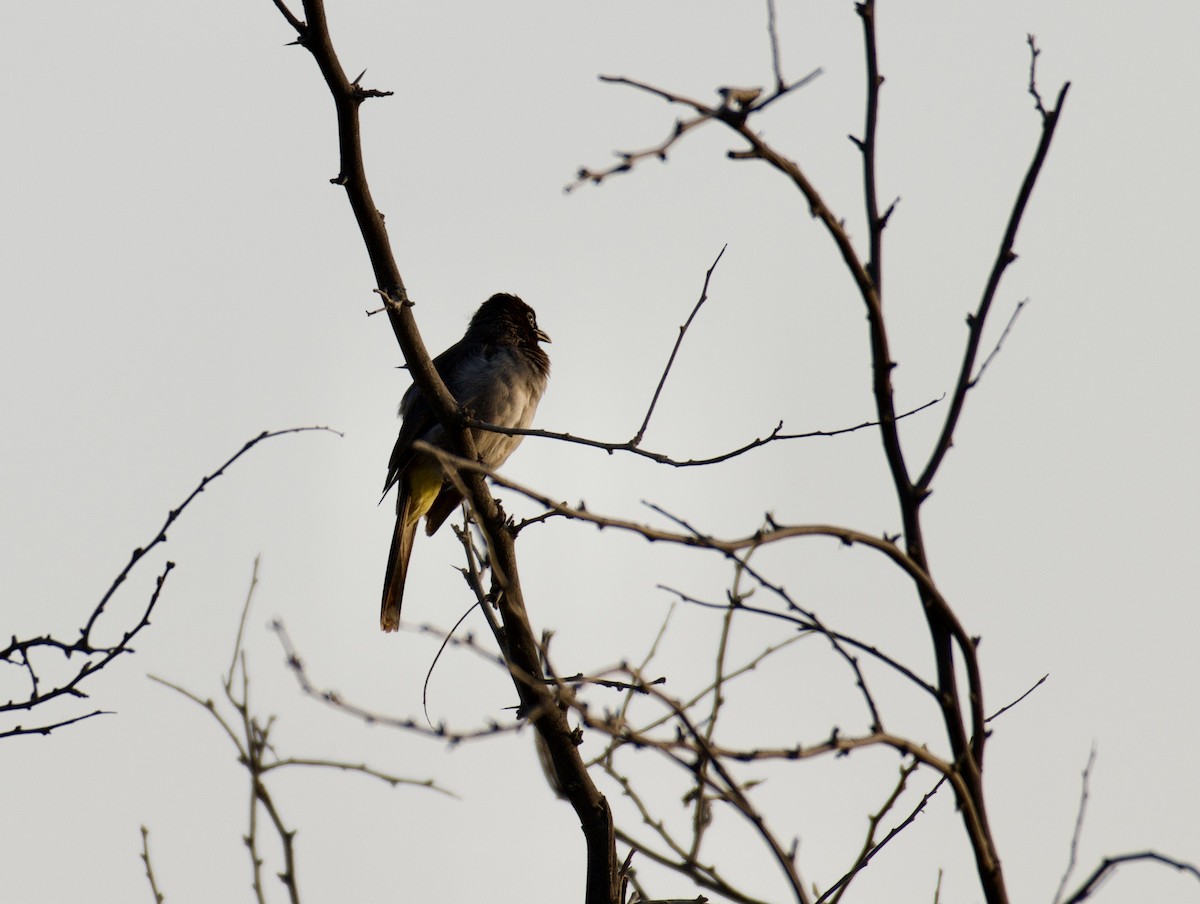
[179, 275]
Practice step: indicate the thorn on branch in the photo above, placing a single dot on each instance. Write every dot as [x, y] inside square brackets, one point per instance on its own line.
[887, 214]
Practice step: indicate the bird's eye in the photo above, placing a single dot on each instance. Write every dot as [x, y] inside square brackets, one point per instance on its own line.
[532, 319]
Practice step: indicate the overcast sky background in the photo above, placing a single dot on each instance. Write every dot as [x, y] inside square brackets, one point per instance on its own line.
[178, 275]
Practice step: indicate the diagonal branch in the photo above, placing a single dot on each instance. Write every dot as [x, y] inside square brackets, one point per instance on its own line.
[519, 643]
[95, 656]
[641, 431]
[1004, 257]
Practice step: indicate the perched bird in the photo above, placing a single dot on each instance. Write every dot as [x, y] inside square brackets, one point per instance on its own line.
[497, 373]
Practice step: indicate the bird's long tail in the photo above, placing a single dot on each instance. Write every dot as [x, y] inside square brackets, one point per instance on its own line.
[397, 566]
[418, 490]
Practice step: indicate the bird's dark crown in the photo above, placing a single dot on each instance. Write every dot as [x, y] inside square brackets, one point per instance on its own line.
[508, 318]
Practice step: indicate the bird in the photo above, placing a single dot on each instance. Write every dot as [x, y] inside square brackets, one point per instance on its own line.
[497, 373]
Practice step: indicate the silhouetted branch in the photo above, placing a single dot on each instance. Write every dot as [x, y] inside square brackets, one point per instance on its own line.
[1110, 864]
[518, 642]
[334, 699]
[776, 435]
[1077, 833]
[870, 845]
[94, 655]
[999, 343]
[641, 431]
[1002, 710]
[1004, 257]
[250, 735]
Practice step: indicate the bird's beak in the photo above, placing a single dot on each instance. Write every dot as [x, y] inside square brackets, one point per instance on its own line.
[542, 337]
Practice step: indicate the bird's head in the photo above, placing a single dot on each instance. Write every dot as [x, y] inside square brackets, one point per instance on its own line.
[507, 319]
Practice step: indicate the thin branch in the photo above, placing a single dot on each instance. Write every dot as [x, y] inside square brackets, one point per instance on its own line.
[250, 736]
[895, 830]
[96, 656]
[1004, 257]
[641, 431]
[742, 562]
[777, 533]
[241, 631]
[1002, 710]
[773, 34]
[621, 718]
[732, 793]
[1034, 53]
[438, 655]
[999, 342]
[701, 809]
[158, 895]
[1110, 864]
[18, 730]
[1077, 832]
[776, 435]
[334, 700]
[870, 846]
[702, 875]
[805, 623]
[628, 159]
[744, 103]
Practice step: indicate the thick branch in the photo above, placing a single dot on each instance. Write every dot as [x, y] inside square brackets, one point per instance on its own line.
[603, 882]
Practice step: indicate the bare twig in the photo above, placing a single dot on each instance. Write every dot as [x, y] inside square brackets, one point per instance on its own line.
[999, 342]
[776, 435]
[621, 723]
[250, 736]
[895, 830]
[804, 623]
[745, 103]
[1077, 832]
[1002, 710]
[1110, 864]
[335, 700]
[241, 630]
[158, 895]
[1004, 257]
[94, 655]
[641, 431]
[17, 730]
[776, 534]
[703, 874]
[628, 159]
[1034, 53]
[870, 846]
[773, 34]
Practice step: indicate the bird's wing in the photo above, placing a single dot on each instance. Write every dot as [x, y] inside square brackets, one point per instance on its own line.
[419, 420]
